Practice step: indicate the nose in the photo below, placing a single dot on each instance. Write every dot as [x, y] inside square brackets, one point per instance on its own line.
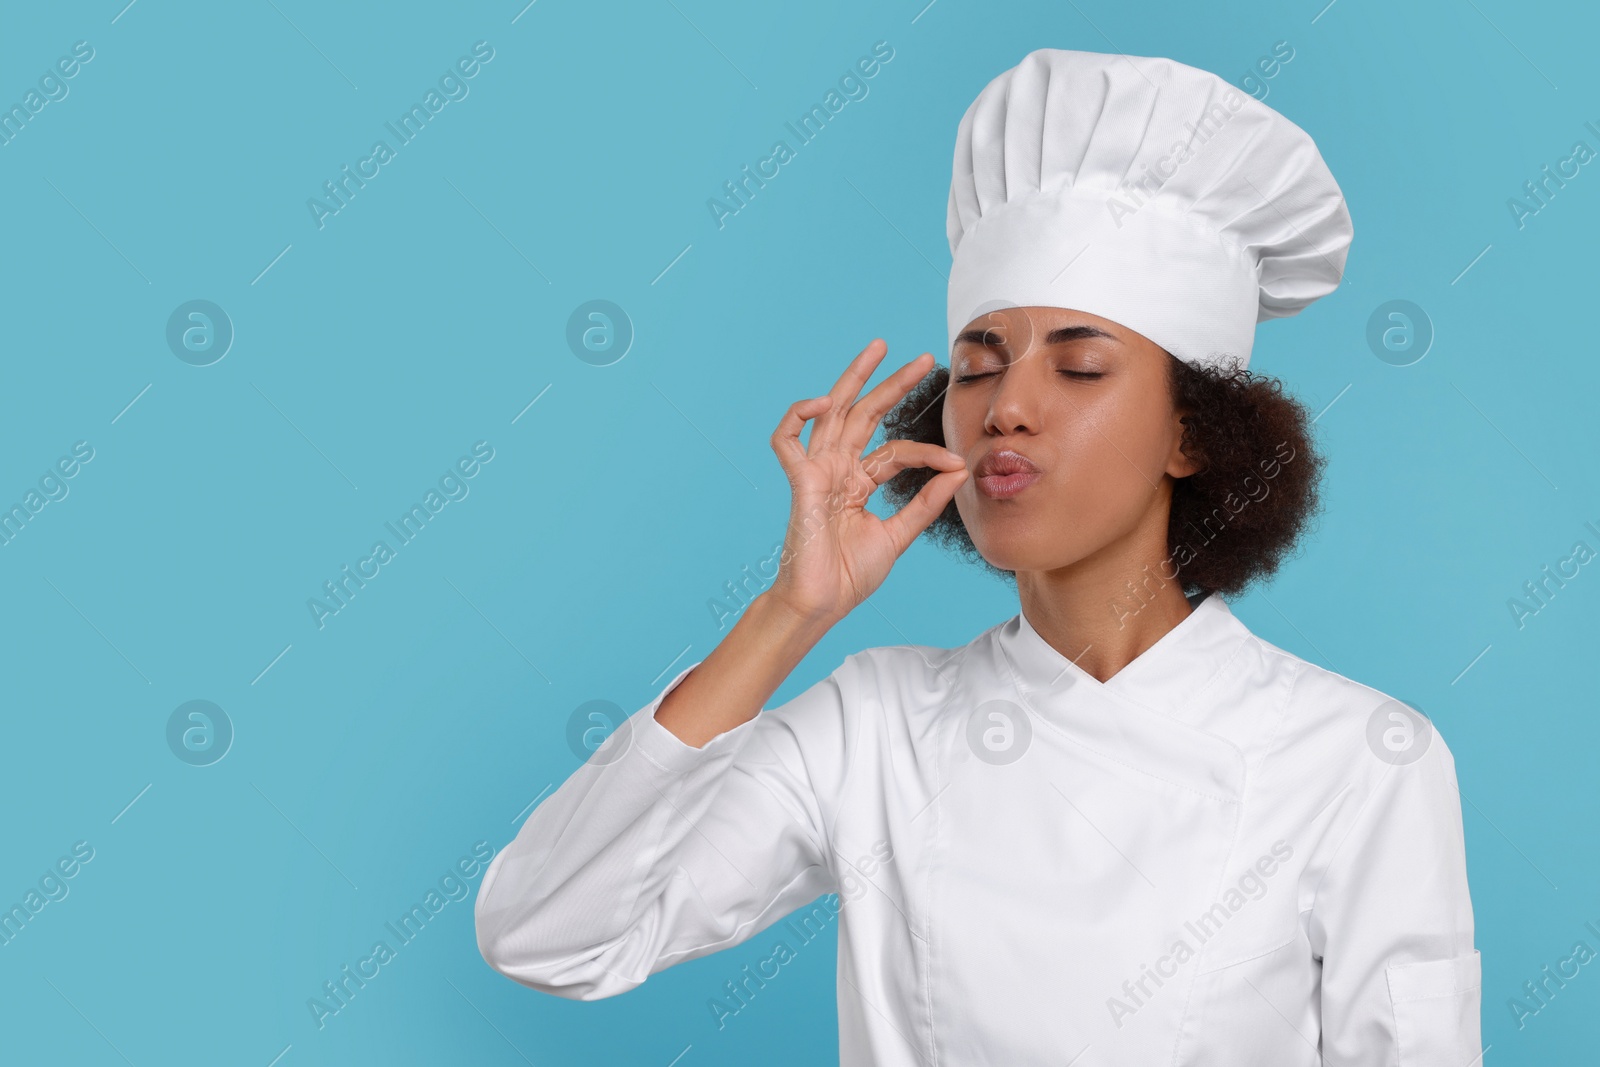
[1015, 404]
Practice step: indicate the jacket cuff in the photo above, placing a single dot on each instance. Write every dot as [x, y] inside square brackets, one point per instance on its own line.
[664, 748]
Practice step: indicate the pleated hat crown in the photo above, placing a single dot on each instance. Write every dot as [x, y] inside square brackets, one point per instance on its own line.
[1145, 191]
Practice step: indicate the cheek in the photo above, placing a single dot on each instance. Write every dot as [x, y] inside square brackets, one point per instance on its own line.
[960, 428]
[1135, 429]
[1112, 453]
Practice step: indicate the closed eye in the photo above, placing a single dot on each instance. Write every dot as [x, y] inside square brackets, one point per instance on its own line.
[1081, 375]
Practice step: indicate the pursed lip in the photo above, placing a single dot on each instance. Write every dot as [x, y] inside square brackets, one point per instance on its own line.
[1005, 472]
[1005, 461]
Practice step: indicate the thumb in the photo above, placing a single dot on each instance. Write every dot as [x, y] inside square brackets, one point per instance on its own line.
[908, 523]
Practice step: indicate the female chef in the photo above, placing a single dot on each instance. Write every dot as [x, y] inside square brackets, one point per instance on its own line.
[1118, 828]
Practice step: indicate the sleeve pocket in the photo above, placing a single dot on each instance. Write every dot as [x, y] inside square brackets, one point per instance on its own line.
[1436, 1011]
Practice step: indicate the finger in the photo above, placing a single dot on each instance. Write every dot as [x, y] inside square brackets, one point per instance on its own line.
[786, 438]
[825, 434]
[905, 525]
[892, 457]
[862, 420]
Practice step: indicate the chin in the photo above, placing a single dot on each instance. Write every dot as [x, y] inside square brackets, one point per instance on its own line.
[1022, 552]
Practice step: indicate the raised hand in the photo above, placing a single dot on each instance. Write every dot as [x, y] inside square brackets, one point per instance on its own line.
[836, 552]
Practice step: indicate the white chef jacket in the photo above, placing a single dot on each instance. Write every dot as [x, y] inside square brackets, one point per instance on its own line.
[1206, 860]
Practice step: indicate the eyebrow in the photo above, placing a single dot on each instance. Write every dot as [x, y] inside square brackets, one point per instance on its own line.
[1061, 335]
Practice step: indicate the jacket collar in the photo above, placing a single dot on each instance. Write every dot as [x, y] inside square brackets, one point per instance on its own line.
[1140, 717]
[1169, 677]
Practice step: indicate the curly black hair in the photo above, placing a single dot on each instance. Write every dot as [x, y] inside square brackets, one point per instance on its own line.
[1232, 523]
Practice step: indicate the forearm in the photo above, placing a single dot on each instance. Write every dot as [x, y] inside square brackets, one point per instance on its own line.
[734, 682]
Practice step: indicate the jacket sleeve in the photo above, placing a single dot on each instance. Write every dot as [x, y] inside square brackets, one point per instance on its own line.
[1392, 923]
[654, 852]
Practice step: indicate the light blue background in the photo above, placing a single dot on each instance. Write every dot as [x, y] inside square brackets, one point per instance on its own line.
[429, 713]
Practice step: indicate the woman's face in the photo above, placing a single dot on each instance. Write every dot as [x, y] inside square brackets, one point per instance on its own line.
[1088, 403]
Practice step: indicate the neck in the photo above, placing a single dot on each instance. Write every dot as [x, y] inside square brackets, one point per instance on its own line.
[1106, 609]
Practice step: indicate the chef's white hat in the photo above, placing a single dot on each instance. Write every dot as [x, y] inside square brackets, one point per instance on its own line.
[1144, 191]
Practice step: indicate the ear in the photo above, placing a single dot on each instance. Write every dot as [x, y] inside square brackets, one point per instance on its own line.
[1180, 465]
